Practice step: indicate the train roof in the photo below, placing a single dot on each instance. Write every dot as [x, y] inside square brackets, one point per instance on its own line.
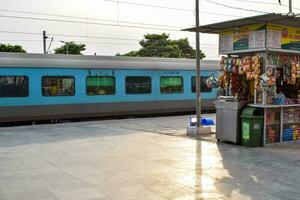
[103, 62]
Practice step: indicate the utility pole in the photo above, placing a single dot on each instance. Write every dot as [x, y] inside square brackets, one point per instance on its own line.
[198, 81]
[44, 42]
[291, 8]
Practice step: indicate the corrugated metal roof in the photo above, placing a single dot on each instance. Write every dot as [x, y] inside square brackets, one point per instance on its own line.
[282, 19]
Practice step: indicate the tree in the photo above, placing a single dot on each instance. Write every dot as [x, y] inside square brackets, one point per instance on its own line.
[159, 45]
[11, 48]
[70, 48]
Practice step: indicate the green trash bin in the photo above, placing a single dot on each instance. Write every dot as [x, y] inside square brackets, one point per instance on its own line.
[252, 127]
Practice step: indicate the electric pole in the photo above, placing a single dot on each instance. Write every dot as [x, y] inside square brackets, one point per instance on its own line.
[44, 42]
[291, 8]
[198, 81]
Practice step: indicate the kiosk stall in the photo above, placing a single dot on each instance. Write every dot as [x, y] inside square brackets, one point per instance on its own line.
[260, 67]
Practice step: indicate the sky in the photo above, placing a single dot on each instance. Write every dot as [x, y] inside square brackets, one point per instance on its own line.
[108, 27]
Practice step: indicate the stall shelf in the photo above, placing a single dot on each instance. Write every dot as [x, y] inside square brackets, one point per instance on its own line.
[277, 126]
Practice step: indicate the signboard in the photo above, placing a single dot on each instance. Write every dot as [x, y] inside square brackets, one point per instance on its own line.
[257, 39]
[248, 37]
[225, 43]
[283, 37]
[254, 37]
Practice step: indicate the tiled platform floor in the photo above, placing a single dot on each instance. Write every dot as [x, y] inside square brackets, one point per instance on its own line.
[140, 159]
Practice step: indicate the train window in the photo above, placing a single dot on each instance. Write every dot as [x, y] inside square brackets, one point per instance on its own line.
[171, 84]
[204, 87]
[138, 85]
[100, 85]
[14, 86]
[58, 86]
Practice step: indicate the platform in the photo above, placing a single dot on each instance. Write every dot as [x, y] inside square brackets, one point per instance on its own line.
[139, 159]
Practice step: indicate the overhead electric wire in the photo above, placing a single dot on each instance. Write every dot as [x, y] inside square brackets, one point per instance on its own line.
[67, 35]
[95, 37]
[84, 36]
[86, 18]
[106, 20]
[94, 42]
[21, 41]
[209, 46]
[79, 41]
[18, 32]
[109, 43]
[219, 14]
[149, 5]
[85, 21]
[38, 13]
[237, 8]
[92, 23]
[172, 8]
[266, 3]
[97, 42]
[260, 2]
[104, 24]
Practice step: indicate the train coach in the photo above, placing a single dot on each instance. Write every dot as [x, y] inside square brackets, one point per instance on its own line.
[46, 87]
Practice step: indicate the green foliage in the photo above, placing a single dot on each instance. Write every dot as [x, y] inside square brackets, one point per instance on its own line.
[70, 48]
[156, 45]
[11, 48]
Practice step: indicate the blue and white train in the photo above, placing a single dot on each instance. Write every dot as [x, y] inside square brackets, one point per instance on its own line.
[43, 87]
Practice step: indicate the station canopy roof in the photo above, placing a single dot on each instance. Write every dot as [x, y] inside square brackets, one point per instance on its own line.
[282, 19]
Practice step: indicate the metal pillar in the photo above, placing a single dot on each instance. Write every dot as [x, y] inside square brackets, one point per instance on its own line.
[198, 82]
[291, 8]
[44, 42]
